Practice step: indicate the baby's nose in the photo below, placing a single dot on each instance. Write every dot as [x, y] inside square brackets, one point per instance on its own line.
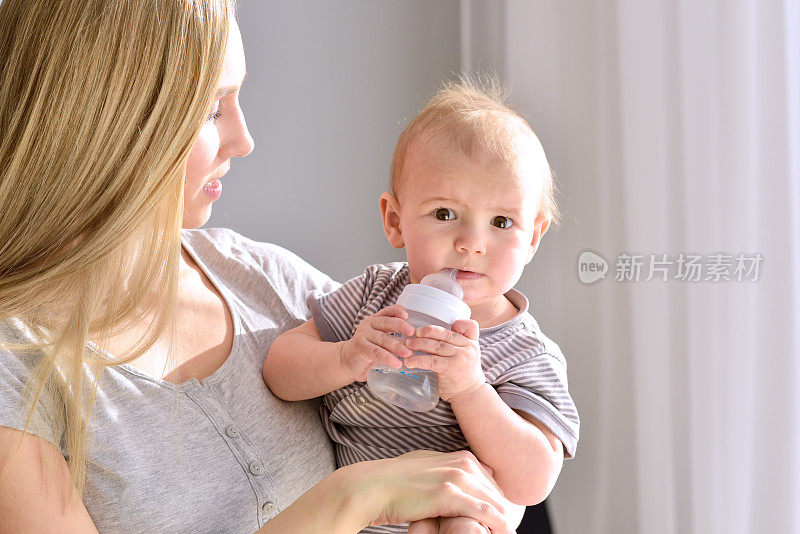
[471, 242]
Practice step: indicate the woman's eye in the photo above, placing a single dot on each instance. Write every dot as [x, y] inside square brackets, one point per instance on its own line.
[444, 214]
[214, 114]
[502, 222]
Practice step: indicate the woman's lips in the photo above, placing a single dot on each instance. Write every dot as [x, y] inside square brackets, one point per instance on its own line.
[213, 188]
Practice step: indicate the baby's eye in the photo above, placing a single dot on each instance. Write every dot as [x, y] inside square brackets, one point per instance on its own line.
[444, 214]
[502, 222]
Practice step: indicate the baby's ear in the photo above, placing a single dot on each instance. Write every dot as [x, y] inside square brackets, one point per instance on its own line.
[390, 215]
[540, 226]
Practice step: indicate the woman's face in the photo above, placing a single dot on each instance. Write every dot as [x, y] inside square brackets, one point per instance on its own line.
[224, 135]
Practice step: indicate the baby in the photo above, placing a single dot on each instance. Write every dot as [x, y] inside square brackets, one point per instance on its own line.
[471, 189]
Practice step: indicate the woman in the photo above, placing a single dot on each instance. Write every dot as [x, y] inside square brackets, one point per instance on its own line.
[131, 397]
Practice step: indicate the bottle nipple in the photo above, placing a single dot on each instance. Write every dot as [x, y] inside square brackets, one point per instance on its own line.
[444, 280]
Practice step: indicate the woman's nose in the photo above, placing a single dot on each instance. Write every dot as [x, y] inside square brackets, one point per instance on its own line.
[239, 142]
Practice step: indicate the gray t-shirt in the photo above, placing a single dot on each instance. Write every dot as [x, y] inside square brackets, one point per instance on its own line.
[218, 455]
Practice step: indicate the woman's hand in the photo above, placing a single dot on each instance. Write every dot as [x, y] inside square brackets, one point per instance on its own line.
[423, 484]
[374, 342]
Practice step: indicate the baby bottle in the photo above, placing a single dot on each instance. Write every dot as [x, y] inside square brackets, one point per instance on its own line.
[436, 300]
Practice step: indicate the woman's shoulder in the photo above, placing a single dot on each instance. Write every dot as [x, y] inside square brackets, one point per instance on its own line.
[230, 244]
[219, 247]
[241, 261]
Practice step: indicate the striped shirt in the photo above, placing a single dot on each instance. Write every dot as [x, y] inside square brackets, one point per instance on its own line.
[525, 367]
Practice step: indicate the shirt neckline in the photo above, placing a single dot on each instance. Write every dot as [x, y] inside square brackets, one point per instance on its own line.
[222, 371]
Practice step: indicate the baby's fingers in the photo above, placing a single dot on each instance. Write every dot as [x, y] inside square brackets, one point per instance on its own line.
[431, 346]
[428, 362]
[391, 325]
[389, 343]
[443, 334]
[467, 328]
[394, 310]
[377, 354]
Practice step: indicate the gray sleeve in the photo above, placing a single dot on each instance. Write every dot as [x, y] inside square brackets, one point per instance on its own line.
[245, 264]
[335, 313]
[15, 373]
[537, 385]
[294, 279]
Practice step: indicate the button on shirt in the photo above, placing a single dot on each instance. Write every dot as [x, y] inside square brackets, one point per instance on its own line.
[269, 509]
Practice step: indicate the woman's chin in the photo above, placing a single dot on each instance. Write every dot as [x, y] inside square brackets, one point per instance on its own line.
[195, 218]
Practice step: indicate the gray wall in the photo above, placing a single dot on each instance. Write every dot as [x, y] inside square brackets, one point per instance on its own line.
[330, 86]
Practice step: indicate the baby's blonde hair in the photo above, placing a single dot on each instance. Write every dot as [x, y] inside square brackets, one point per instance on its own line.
[473, 117]
[100, 104]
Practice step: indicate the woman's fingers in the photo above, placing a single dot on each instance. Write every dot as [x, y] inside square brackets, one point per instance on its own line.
[460, 525]
[482, 498]
[424, 526]
[467, 462]
[487, 469]
[479, 510]
[444, 484]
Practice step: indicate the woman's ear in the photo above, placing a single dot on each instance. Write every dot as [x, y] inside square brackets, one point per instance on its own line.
[540, 226]
[390, 215]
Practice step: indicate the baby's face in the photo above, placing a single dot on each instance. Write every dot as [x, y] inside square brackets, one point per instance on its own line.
[476, 216]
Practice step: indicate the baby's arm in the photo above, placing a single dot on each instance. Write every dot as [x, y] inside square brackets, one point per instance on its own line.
[300, 365]
[525, 456]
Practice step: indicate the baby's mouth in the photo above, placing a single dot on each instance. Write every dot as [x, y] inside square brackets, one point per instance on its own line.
[467, 275]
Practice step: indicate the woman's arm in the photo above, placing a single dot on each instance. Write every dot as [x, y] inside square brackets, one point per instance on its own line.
[413, 486]
[301, 366]
[35, 488]
[35, 493]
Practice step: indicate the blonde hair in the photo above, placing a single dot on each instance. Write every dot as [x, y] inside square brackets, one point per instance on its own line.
[473, 117]
[100, 104]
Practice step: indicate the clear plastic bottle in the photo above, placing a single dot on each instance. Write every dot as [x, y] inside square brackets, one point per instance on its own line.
[436, 300]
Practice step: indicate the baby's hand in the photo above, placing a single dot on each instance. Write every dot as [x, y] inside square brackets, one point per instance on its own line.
[454, 355]
[373, 342]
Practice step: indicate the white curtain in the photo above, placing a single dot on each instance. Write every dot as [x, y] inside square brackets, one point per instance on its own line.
[674, 128]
